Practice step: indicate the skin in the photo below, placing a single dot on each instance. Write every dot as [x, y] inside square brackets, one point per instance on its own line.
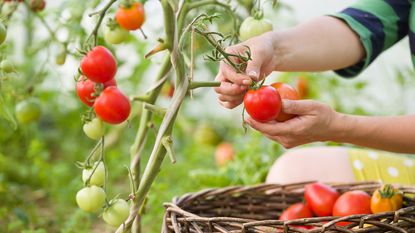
[324, 43]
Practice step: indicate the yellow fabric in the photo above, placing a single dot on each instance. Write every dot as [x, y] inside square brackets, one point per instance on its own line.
[382, 166]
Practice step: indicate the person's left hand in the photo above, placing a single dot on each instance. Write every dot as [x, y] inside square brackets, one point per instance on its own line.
[314, 122]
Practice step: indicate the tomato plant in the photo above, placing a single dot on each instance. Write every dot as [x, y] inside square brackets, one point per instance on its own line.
[95, 174]
[112, 106]
[286, 92]
[263, 104]
[252, 27]
[130, 17]
[352, 202]
[320, 198]
[3, 33]
[28, 111]
[116, 213]
[385, 199]
[99, 65]
[224, 153]
[94, 129]
[90, 199]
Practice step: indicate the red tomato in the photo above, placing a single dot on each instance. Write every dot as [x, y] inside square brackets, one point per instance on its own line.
[297, 211]
[224, 153]
[85, 89]
[37, 5]
[320, 198]
[112, 106]
[352, 202]
[99, 65]
[302, 87]
[286, 92]
[132, 17]
[263, 104]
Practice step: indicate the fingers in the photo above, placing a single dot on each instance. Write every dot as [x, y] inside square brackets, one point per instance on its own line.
[300, 107]
[230, 74]
[272, 128]
[227, 88]
[230, 105]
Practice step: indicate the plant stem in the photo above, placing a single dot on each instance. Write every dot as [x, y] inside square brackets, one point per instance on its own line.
[194, 85]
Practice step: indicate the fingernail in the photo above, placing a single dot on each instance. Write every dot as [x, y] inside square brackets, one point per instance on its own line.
[253, 74]
[247, 82]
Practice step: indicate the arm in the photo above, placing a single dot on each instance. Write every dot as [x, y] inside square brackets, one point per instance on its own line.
[318, 122]
[323, 43]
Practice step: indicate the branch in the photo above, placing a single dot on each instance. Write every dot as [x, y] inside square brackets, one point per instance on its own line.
[195, 85]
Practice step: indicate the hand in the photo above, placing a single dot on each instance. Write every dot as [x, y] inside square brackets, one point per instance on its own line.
[234, 85]
[314, 122]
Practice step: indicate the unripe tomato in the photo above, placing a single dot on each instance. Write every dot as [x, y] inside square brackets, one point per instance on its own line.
[85, 89]
[320, 198]
[3, 33]
[351, 203]
[115, 35]
[37, 5]
[224, 153]
[252, 27]
[90, 199]
[99, 65]
[6, 66]
[206, 135]
[385, 199]
[263, 104]
[116, 213]
[61, 56]
[286, 92]
[98, 178]
[28, 111]
[94, 129]
[130, 17]
[112, 106]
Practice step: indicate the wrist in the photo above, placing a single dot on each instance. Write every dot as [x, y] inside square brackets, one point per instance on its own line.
[342, 129]
[279, 48]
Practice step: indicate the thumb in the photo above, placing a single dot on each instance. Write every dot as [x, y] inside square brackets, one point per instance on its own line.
[298, 107]
[253, 69]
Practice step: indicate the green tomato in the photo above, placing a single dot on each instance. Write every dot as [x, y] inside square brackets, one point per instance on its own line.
[252, 27]
[117, 213]
[98, 178]
[61, 56]
[206, 135]
[7, 66]
[115, 35]
[28, 111]
[90, 199]
[94, 129]
[3, 33]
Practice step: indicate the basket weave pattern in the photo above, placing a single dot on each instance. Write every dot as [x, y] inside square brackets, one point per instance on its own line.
[256, 209]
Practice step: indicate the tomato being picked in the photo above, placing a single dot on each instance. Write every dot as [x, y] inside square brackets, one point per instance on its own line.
[263, 104]
[286, 92]
[320, 198]
[130, 16]
[99, 65]
[112, 106]
[85, 89]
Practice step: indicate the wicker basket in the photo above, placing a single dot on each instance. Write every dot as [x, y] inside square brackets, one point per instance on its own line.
[256, 209]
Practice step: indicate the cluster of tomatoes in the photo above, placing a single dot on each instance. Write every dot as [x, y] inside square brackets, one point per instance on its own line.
[35, 5]
[322, 200]
[93, 197]
[264, 103]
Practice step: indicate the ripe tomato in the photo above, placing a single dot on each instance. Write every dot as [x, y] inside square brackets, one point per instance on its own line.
[297, 211]
[130, 17]
[3, 33]
[224, 153]
[28, 111]
[168, 89]
[94, 129]
[116, 213]
[90, 199]
[286, 92]
[85, 89]
[320, 198]
[252, 27]
[263, 104]
[302, 87]
[6, 66]
[98, 178]
[112, 106]
[352, 202]
[385, 199]
[37, 5]
[115, 34]
[99, 65]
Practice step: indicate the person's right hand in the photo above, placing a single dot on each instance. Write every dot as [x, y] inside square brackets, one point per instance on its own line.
[264, 61]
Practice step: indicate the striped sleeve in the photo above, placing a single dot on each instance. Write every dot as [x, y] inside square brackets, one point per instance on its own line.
[379, 24]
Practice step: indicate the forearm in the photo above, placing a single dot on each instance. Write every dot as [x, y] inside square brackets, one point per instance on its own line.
[396, 134]
[324, 43]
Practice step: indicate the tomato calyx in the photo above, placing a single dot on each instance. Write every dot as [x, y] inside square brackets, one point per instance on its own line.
[387, 191]
[112, 24]
[258, 14]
